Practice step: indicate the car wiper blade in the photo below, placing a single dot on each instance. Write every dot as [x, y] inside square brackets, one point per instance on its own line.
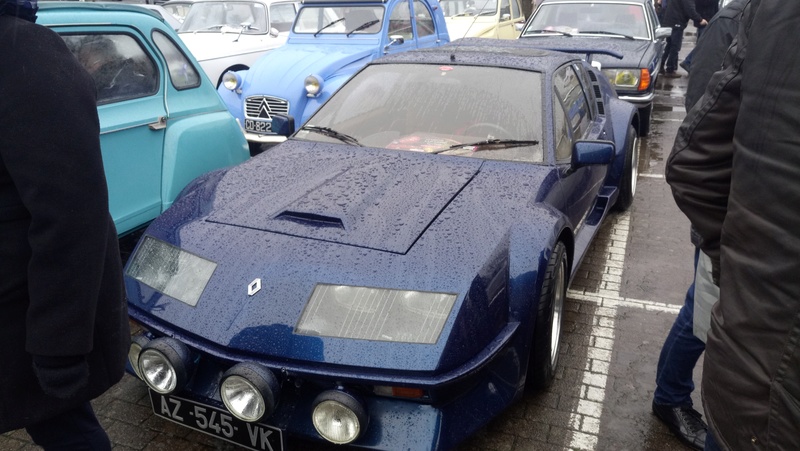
[363, 26]
[549, 31]
[490, 144]
[610, 33]
[329, 25]
[327, 131]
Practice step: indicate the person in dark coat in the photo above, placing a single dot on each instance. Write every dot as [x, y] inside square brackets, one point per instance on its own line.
[677, 15]
[734, 170]
[707, 10]
[672, 399]
[63, 318]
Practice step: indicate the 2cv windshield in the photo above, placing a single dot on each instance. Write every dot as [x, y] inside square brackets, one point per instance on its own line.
[339, 20]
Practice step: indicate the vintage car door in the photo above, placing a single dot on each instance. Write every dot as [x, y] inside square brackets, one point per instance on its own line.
[574, 118]
[510, 16]
[130, 104]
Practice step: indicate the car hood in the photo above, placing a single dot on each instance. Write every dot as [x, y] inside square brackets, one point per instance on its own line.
[460, 27]
[296, 62]
[206, 46]
[633, 51]
[381, 204]
[456, 219]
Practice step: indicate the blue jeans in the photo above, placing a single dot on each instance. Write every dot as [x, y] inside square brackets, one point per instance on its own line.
[679, 355]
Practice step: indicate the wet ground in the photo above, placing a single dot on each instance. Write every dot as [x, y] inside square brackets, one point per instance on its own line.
[620, 308]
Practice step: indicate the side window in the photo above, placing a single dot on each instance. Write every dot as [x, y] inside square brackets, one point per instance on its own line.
[568, 86]
[561, 132]
[400, 21]
[425, 25]
[118, 63]
[588, 89]
[282, 16]
[515, 12]
[181, 71]
[505, 8]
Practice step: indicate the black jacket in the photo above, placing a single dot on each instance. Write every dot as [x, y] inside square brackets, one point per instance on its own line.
[734, 171]
[679, 13]
[61, 292]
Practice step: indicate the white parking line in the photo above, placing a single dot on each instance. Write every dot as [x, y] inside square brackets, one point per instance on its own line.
[585, 419]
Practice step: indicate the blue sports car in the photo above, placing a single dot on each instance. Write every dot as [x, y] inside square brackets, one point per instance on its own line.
[393, 275]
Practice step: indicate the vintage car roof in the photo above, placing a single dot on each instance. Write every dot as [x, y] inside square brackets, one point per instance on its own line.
[94, 12]
[507, 53]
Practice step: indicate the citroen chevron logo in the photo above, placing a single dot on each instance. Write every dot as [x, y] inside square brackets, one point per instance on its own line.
[264, 112]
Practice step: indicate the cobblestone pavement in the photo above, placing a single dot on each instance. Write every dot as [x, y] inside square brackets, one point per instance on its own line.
[620, 307]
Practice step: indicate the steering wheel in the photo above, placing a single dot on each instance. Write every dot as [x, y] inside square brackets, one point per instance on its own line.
[473, 130]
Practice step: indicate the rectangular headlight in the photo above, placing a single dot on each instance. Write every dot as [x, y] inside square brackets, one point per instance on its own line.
[170, 270]
[375, 314]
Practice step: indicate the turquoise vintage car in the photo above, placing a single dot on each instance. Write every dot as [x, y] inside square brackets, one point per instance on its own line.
[330, 41]
[161, 121]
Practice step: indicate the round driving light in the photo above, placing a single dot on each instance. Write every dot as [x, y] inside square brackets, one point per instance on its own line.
[166, 365]
[231, 81]
[313, 85]
[249, 391]
[137, 343]
[338, 417]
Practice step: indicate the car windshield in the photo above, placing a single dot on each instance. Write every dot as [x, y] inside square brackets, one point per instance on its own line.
[339, 20]
[467, 8]
[227, 16]
[475, 111]
[623, 19]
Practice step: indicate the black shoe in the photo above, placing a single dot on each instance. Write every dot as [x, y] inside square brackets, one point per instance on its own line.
[672, 74]
[685, 422]
[684, 66]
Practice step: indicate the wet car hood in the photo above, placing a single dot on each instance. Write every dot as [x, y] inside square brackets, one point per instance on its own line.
[633, 51]
[381, 204]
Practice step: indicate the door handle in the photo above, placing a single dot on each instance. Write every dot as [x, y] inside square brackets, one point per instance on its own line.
[160, 124]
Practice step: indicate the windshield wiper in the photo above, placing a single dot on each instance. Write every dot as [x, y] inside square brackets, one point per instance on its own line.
[329, 25]
[490, 144]
[549, 31]
[363, 26]
[610, 33]
[327, 131]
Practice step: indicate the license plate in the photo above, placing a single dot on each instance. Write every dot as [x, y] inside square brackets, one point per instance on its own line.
[217, 422]
[262, 127]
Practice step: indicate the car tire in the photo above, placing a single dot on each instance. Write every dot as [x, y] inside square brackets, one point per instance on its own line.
[645, 115]
[549, 320]
[630, 172]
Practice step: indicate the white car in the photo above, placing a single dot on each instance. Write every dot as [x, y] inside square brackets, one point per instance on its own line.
[498, 19]
[230, 35]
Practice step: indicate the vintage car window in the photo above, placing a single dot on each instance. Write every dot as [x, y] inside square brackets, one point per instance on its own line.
[568, 86]
[227, 15]
[515, 12]
[562, 139]
[505, 8]
[400, 21]
[282, 15]
[179, 10]
[588, 88]
[182, 73]
[583, 17]
[425, 25]
[339, 19]
[118, 63]
[437, 109]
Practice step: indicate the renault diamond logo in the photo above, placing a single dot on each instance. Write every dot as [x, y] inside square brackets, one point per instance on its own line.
[254, 287]
[263, 110]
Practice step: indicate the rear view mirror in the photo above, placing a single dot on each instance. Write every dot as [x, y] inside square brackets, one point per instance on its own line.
[586, 153]
[282, 124]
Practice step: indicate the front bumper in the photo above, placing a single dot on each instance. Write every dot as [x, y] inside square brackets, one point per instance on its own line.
[264, 139]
